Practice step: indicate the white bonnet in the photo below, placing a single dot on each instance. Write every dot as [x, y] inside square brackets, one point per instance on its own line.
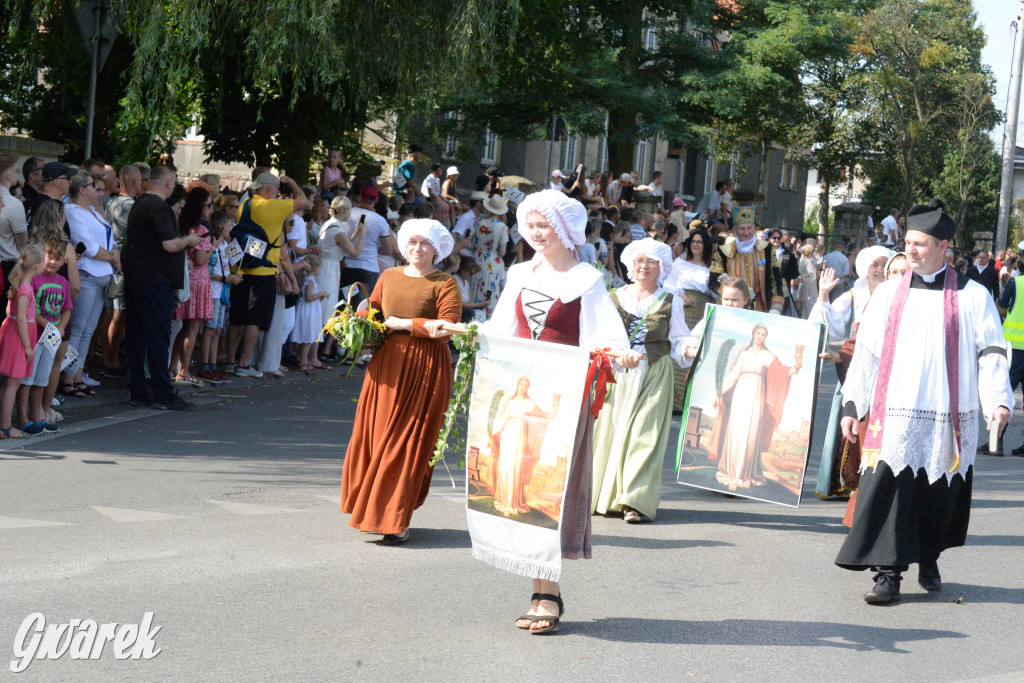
[428, 228]
[868, 255]
[650, 248]
[566, 215]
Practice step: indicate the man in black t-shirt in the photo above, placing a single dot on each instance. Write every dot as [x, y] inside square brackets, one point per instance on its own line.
[153, 262]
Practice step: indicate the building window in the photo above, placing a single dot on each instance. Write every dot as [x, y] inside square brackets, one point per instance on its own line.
[451, 142]
[709, 173]
[602, 162]
[650, 35]
[569, 153]
[640, 158]
[490, 154]
[787, 179]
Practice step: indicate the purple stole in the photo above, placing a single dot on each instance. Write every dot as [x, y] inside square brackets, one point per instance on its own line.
[951, 335]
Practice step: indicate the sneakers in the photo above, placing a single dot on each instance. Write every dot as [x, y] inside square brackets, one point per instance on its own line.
[89, 381]
[247, 372]
[33, 428]
[887, 588]
[175, 403]
[211, 376]
[140, 403]
[928, 576]
[49, 427]
[229, 369]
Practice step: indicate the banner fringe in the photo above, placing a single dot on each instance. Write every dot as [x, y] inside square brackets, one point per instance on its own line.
[517, 565]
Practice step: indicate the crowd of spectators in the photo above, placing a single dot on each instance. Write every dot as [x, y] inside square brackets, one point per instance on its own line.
[167, 284]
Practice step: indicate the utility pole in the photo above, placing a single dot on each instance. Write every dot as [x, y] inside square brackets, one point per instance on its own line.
[98, 25]
[1010, 134]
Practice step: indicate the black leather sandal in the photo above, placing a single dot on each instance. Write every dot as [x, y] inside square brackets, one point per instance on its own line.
[552, 621]
[528, 617]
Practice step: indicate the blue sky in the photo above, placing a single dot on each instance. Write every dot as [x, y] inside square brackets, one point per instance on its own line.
[996, 16]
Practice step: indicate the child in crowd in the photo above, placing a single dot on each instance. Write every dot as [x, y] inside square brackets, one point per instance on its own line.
[735, 294]
[221, 280]
[52, 307]
[463, 270]
[330, 174]
[18, 334]
[308, 319]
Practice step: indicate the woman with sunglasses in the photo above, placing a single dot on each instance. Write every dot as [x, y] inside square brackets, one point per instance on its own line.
[99, 260]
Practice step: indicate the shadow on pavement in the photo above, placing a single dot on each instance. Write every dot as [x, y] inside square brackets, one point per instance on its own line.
[655, 543]
[1011, 541]
[437, 538]
[792, 522]
[764, 632]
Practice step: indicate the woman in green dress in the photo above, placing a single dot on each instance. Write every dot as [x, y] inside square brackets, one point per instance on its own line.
[631, 434]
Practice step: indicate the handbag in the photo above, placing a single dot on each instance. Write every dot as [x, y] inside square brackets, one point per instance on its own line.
[115, 288]
[185, 293]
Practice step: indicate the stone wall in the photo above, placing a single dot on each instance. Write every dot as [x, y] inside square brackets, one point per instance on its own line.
[851, 221]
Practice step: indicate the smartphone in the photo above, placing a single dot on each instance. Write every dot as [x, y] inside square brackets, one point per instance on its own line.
[362, 219]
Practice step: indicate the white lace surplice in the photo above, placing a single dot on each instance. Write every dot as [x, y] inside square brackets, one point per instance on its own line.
[918, 426]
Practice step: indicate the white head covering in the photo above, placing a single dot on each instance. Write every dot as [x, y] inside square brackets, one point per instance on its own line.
[650, 248]
[566, 215]
[867, 256]
[432, 231]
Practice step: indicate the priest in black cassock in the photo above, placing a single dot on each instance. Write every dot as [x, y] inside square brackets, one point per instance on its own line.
[930, 347]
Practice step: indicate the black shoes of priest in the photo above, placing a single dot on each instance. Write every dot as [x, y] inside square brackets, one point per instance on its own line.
[887, 587]
[928, 576]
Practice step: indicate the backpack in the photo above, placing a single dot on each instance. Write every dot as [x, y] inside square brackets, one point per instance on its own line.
[246, 228]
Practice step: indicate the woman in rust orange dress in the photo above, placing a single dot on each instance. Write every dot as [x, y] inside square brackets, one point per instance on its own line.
[406, 389]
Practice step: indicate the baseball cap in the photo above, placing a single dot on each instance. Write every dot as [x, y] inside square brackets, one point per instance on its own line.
[265, 179]
[54, 170]
[368, 192]
[624, 177]
[494, 170]
[676, 201]
[557, 174]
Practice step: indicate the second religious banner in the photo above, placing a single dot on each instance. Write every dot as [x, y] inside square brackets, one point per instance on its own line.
[750, 405]
[523, 417]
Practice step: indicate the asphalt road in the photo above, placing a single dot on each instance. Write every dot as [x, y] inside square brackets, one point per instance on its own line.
[224, 523]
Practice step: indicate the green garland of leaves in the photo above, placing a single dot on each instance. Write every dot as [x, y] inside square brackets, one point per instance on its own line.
[452, 433]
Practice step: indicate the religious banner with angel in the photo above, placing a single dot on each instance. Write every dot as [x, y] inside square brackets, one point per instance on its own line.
[750, 405]
[523, 415]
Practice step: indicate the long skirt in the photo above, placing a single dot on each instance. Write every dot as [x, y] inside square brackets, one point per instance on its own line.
[693, 313]
[575, 533]
[830, 481]
[631, 437]
[902, 519]
[401, 410]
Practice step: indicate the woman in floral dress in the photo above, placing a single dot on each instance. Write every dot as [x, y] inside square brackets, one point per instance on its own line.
[490, 239]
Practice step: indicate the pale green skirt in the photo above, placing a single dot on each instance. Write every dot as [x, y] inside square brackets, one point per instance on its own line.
[630, 439]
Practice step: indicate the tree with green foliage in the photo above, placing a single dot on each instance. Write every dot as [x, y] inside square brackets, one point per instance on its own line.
[650, 67]
[300, 71]
[924, 61]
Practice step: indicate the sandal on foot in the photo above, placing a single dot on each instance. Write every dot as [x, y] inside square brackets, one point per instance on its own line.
[85, 389]
[552, 620]
[528, 617]
[71, 390]
[7, 433]
[396, 539]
